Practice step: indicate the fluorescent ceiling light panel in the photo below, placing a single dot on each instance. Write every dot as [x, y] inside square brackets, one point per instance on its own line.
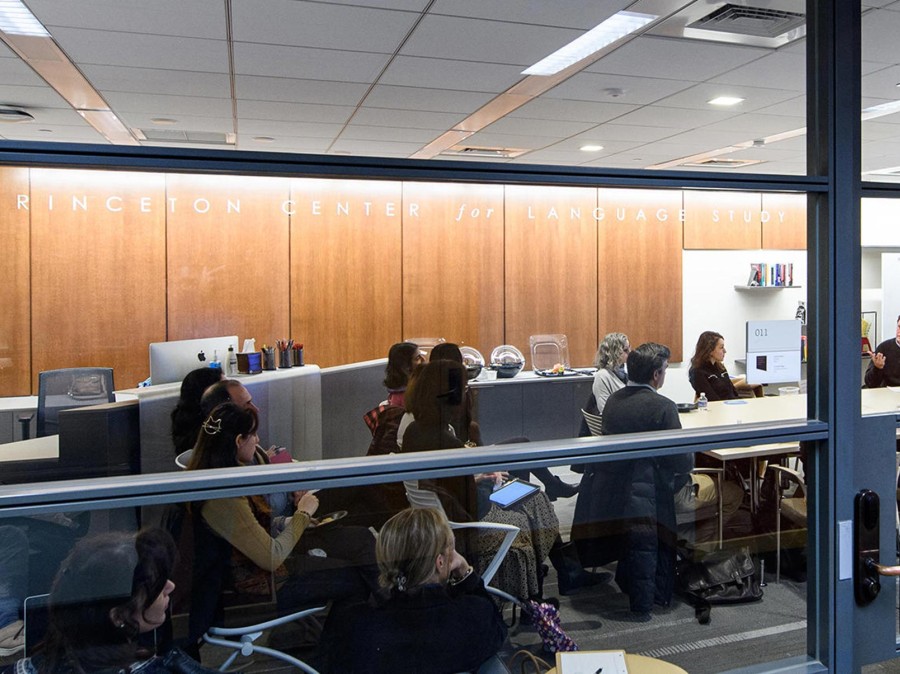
[614, 28]
[17, 19]
[591, 148]
[726, 100]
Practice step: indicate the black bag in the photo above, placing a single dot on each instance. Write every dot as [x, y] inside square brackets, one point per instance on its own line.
[720, 577]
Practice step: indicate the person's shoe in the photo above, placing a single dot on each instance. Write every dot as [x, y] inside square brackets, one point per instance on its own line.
[559, 489]
[12, 638]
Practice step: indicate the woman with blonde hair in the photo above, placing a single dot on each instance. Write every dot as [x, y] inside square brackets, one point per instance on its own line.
[610, 363]
[433, 613]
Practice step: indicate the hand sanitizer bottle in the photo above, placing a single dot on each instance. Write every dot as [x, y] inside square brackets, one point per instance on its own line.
[215, 361]
[703, 403]
[232, 367]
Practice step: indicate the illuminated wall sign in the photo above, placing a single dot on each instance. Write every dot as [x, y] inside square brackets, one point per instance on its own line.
[363, 207]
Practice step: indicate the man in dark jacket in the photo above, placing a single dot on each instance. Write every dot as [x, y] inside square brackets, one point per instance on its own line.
[633, 501]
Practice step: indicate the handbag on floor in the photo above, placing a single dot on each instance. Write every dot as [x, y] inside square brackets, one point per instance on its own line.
[545, 617]
[720, 577]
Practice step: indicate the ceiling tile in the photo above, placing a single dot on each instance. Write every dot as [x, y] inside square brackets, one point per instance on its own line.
[524, 126]
[779, 70]
[143, 51]
[487, 41]
[579, 14]
[375, 148]
[166, 82]
[32, 97]
[363, 132]
[322, 25]
[616, 88]
[416, 119]
[206, 18]
[287, 112]
[412, 71]
[306, 63]
[676, 118]
[573, 111]
[297, 129]
[756, 126]
[693, 60]
[250, 87]
[417, 98]
[168, 106]
[698, 97]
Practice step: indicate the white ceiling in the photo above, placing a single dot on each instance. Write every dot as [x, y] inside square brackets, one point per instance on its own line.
[387, 77]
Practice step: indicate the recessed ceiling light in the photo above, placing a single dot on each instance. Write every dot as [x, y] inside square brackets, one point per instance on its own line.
[614, 28]
[17, 19]
[264, 139]
[164, 121]
[591, 148]
[725, 100]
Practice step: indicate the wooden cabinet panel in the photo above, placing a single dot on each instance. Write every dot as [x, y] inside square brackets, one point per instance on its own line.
[453, 263]
[640, 266]
[98, 270]
[228, 257]
[15, 279]
[722, 220]
[784, 221]
[345, 269]
[551, 267]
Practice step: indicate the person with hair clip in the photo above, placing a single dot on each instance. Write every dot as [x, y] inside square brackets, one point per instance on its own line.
[432, 614]
[610, 363]
[708, 375]
[111, 589]
[309, 565]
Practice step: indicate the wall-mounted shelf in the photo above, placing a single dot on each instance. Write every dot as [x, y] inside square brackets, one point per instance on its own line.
[756, 288]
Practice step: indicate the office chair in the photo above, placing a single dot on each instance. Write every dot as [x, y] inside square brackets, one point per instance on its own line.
[209, 573]
[790, 503]
[67, 388]
[594, 422]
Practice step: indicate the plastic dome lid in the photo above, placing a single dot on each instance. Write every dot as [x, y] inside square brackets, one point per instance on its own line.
[506, 354]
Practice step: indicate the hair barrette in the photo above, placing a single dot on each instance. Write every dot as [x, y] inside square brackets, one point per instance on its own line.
[212, 426]
[401, 582]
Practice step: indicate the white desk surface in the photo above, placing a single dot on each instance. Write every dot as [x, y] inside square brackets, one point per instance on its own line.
[746, 411]
[29, 403]
[529, 377]
[754, 452]
[36, 449]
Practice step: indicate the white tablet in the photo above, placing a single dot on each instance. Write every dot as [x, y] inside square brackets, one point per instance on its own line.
[513, 492]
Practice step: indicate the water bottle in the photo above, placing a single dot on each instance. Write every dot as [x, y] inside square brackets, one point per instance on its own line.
[703, 403]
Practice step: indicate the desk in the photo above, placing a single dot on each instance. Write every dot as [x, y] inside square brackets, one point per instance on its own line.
[641, 664]
[35, 449]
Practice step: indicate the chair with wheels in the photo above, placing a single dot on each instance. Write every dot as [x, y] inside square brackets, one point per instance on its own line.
[67, 388]
[210, 569]
[790, 504]
[594, 422]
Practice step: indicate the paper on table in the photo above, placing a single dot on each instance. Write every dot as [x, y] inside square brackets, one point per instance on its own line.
[591, 662]
[895, 389]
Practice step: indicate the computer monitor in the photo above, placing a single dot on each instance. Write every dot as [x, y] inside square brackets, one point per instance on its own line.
[171, 361]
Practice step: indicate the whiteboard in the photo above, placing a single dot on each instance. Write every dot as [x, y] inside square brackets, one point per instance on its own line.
[773, 352]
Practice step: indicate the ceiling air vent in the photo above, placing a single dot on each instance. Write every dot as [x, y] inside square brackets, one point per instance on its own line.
[486, 152]
[178, 136]
[755, 21]
[714, 162]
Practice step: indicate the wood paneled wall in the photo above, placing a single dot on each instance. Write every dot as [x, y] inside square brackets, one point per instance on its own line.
[99, 264]
[640, 282]
[98, 270]
[453, 263]
[15, 279]
[551, 267]
[722, 220]
[228, 254]
[784, 221]
[346, 296]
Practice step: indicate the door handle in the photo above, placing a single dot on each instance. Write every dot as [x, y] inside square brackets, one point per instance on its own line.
[867, 547]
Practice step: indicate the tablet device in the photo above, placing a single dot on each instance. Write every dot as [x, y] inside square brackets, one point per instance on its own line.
[513, 492]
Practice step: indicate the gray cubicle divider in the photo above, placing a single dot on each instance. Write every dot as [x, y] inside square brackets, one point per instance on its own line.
[290, 403]
[348, 392]
[99, 440]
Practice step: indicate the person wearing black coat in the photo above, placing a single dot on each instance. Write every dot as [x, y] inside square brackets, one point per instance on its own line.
[626, 509]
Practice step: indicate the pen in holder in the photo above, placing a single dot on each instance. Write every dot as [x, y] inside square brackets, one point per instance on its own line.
[268, 354]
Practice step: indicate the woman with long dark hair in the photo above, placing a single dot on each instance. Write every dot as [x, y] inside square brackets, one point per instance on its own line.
[111, 589]
[187, 415]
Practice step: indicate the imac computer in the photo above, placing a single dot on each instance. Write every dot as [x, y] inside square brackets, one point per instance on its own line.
[171, 361]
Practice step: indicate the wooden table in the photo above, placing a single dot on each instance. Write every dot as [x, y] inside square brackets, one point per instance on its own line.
[641, 664]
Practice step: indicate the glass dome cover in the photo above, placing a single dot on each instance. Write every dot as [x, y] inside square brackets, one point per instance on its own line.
[507, 360]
